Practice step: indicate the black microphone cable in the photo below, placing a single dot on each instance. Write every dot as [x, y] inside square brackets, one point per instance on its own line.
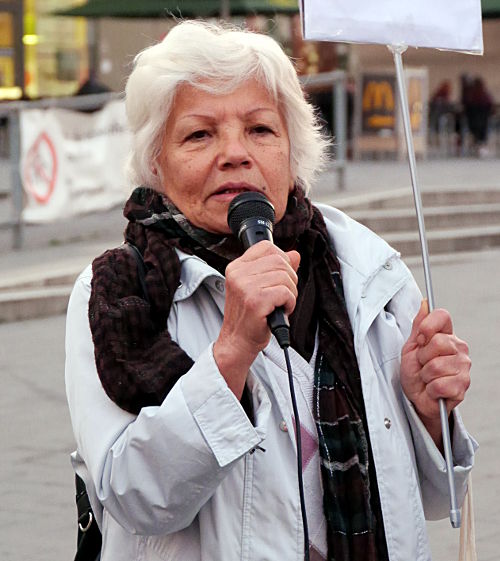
[251, 218]
[298, 438]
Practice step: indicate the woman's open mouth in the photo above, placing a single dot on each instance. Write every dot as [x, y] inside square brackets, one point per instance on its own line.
[231, 189]
[224, 191]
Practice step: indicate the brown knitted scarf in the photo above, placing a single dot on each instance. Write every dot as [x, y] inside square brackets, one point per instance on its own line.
[138, 362]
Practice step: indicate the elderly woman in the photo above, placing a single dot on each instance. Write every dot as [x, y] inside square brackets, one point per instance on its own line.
[177, 390]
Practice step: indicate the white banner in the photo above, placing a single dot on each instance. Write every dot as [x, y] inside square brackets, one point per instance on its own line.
[443, 24]
[72, 162]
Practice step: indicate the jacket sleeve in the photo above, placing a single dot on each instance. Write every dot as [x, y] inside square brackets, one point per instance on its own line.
[155, 471]
[431, 464]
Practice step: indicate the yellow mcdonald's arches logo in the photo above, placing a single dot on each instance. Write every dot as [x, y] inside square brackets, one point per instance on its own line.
[381, 121]
[378, 95]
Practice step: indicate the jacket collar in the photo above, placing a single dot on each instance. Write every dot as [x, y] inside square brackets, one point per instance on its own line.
[194, 271]
[372, 270]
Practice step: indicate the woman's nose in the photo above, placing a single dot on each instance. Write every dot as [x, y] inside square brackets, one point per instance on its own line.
[233, 152]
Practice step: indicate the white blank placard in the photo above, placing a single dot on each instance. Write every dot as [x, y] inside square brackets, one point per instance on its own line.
[443, 24]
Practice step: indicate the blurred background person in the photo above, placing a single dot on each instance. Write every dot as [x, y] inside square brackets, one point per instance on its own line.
[478, 108]
[440, 105]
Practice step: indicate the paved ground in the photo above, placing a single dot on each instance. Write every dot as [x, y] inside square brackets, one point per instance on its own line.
[37, 518]
[469, 288]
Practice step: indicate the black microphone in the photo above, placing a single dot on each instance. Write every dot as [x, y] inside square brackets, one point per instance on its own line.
[251, 218]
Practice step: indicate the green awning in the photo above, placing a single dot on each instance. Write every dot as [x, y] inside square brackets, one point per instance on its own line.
[490, 8]
[183, 8]
[202, 8]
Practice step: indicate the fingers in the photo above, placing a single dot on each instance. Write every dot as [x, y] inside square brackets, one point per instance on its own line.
[440, 389]
[438, 321]
[445, 367]
[265, 256]
[426, 325]
[447, 378]
[268, 248]
[263, 278]
[422, 313]
[261, 265]
[261, 302]
[435, 364]
[264, 266]
[294, 257]
[259, 281]
[441, 344]
[445, 362]
[430, 334]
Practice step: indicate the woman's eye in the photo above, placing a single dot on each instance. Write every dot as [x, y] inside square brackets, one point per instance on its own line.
[262, 129]
[197, 135]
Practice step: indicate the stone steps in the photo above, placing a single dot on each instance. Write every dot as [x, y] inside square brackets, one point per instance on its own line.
[446, 241]
[35, 291]
[393, 199]
[30, 303]
[456, 220]
[436, 217]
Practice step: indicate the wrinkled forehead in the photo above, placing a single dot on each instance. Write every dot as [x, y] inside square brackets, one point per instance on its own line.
[211, 90]
[227, 85]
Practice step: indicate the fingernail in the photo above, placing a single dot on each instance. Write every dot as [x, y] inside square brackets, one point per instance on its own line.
[425, 304]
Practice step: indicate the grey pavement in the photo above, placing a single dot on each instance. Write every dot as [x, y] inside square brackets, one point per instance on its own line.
[37, 518]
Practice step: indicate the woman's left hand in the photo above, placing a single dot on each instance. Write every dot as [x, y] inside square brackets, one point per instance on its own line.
[435, 364]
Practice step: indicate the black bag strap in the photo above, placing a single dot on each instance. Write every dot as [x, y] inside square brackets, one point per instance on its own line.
[141, 267]
[89, 538]
[85, 515]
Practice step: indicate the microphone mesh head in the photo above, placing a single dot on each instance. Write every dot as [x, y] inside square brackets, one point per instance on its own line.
[248, 205]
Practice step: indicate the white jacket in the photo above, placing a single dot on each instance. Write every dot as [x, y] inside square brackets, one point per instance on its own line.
[182, 482]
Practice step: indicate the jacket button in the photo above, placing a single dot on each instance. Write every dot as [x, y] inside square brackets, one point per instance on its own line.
[387, 423]
[388, 265]
[283, 426]
[219, 285]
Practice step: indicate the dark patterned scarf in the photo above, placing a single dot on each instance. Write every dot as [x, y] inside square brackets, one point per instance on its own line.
[139, 363]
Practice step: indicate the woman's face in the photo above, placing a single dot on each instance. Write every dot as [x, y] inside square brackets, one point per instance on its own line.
[217, 146]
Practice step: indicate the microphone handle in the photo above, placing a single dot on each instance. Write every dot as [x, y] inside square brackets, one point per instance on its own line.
[249, 235]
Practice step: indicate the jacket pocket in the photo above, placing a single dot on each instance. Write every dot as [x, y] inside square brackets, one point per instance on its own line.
[385, 343]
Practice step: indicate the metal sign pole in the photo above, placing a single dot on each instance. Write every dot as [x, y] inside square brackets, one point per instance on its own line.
[16, 182]
[403, 101]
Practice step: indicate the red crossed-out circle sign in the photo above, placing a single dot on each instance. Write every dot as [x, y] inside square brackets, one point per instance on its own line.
[40, 169]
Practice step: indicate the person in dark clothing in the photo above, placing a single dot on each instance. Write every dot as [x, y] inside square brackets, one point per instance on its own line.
[478, 106]
[92, 86]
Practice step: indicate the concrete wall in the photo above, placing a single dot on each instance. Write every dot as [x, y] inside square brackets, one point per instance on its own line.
[119, 40]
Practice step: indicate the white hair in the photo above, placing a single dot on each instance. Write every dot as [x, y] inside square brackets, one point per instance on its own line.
[216, 59]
